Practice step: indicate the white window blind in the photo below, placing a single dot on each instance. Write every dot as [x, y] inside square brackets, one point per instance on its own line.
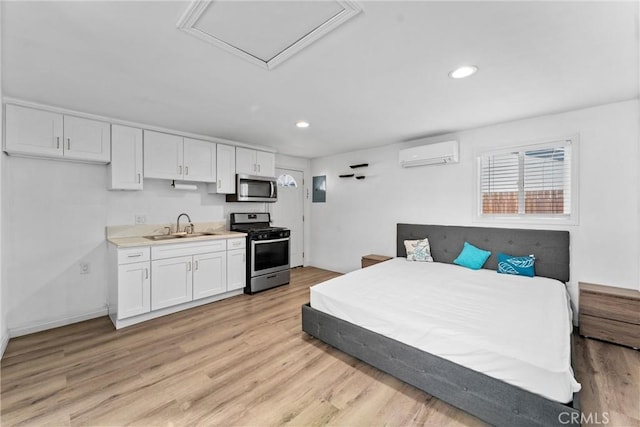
[530, 180]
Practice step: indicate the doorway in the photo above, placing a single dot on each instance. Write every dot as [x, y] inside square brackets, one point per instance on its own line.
[288, 211]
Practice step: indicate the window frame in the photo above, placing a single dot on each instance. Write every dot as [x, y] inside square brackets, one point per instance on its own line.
[523, 218]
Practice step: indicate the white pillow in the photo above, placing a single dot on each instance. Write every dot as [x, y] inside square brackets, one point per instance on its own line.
[418, 250]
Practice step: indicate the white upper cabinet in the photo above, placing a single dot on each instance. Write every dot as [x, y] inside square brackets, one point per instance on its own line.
[162, 155]
[125, 170]
[86, 139]
[199, 160]
[169, 156]
[30, 131]
[266, 163]
[226, 161]
[246, 161]
[40, 133]
[253, 162]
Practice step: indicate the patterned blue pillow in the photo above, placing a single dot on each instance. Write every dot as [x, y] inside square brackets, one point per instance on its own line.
[418, 250]
[472, 257]
[518, 265]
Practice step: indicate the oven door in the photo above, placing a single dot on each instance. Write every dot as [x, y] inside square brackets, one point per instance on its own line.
[268, 256]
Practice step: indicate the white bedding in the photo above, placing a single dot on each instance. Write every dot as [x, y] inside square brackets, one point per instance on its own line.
[516, 329]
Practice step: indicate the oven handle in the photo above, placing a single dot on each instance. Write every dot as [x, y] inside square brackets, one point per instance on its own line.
[259, 242]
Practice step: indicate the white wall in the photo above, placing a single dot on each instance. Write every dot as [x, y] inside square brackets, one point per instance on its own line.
[360, 217]
[55, 214]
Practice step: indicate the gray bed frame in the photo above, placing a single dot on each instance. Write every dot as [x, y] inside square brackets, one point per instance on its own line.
[489, 399]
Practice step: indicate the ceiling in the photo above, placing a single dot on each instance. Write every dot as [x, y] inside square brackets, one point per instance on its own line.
[379, 78]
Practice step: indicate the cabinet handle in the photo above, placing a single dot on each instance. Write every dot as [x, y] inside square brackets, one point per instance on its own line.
[254, 167]
[196, 265]
[186, 170]
[139, 178]
[189, 266]
[57, 142]
[146, 273]
[258, 167]
[68, 143]
[179, 170]
[134, 256]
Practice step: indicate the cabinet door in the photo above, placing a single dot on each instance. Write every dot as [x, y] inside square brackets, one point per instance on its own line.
[246, 161]
[86, 139]
[125, 170]
[134, 289]
[162, 155]
[30, 131]
[172, 282]
[209, 274]
[266, 163]
[236, 269]
[199, 160]
[226, 169]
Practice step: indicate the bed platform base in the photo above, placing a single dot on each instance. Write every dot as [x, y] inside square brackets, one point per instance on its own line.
[487, 398]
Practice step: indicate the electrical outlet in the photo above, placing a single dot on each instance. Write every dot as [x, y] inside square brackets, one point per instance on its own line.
[141, 219]
[85, 268]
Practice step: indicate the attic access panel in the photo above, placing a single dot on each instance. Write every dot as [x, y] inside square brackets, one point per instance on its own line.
[265, 32]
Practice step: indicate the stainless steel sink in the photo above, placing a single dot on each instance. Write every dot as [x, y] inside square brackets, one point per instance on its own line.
[181, 235]
[162, 237]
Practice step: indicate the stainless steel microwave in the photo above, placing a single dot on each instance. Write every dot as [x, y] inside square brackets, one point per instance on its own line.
[251, 188]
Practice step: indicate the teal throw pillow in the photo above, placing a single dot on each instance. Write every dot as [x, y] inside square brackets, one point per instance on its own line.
[472, 257]
[517, 265]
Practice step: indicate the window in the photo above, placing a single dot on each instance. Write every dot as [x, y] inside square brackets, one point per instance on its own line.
[532, 181]
[286, 181]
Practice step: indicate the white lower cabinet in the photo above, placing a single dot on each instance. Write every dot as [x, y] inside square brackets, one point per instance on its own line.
[134, 281]
[172, 282]
[209, 274]
[236, 269]
[155, 280]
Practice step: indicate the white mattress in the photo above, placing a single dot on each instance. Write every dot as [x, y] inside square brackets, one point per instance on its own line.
[513, 328]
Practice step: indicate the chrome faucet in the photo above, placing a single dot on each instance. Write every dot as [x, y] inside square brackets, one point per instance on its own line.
[185, 228]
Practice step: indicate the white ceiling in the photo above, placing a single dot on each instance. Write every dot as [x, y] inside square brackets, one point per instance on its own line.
[379, 78]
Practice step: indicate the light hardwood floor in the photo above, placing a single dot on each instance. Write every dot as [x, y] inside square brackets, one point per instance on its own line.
[245, 361]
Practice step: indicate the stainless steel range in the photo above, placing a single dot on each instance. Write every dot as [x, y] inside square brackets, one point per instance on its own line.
[267, 251]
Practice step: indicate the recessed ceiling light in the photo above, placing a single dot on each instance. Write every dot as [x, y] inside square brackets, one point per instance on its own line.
[462, 72]
[302, 124]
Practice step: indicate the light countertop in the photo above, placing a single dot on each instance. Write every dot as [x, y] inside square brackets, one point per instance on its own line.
[126, 242]
[125, 236]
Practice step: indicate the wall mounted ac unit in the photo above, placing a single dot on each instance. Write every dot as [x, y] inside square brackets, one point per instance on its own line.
[439, 153]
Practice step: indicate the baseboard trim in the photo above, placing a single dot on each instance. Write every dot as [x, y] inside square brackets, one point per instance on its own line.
[39, 326]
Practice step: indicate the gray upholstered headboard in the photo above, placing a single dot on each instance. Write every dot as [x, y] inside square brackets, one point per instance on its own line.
[550, 247]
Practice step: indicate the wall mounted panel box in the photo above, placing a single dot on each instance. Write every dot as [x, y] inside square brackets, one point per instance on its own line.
[33, 132]
[439, 153]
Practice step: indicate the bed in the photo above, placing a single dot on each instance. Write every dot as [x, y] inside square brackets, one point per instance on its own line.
[482, 364]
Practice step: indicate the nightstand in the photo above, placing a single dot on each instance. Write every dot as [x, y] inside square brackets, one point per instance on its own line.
[369, 260]
[610, 314]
